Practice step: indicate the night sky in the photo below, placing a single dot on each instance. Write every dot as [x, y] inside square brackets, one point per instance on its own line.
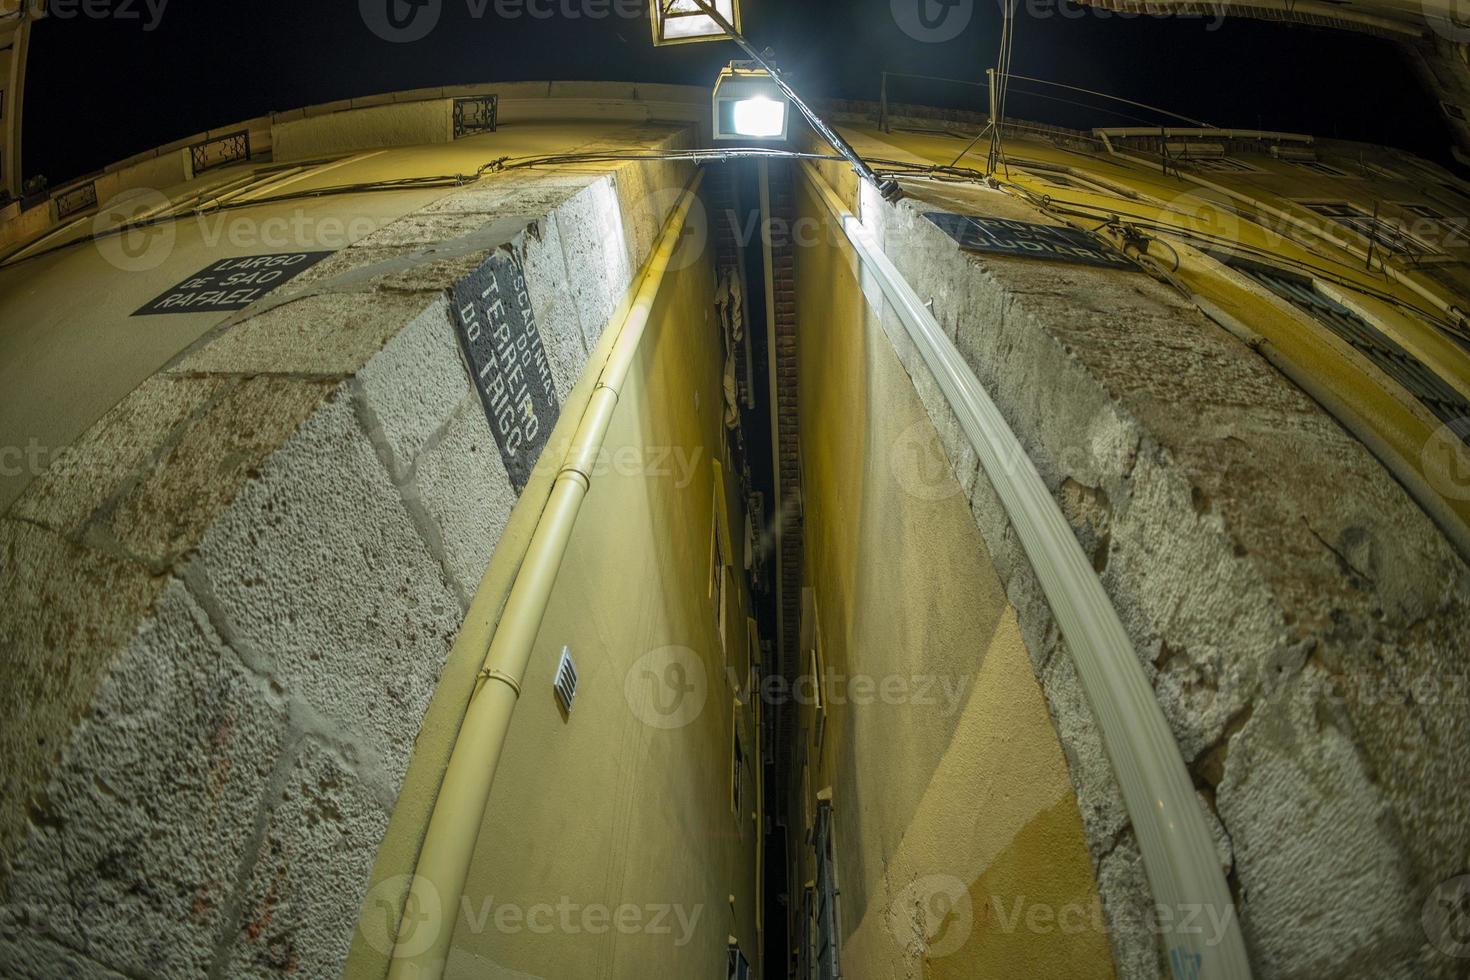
[103, 89]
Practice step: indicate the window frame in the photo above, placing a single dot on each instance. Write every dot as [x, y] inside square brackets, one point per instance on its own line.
[721, 560]
[1380, 172]
[1232, 165]
[1319, 168]
[738, 759]
[737, 967]
[1375, 230]
[1419, 210]
[1454, 229]
[827, 895]
[1359, 334]
[1057, 174]
[752, 659]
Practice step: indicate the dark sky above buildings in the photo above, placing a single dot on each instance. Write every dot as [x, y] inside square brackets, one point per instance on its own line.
[152, 71]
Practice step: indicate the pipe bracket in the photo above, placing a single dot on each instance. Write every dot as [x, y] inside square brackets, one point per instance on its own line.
[492, 674]
[573, 473]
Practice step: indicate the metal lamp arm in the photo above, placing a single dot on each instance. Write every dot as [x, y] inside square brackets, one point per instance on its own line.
[888, 189]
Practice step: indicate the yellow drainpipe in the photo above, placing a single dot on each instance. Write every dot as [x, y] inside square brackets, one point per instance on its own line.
[449, 844]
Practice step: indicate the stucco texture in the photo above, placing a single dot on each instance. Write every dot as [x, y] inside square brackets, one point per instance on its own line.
[615, 805]
[952, 807]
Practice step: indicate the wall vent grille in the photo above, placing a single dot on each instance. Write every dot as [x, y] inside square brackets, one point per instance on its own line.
[565, 682]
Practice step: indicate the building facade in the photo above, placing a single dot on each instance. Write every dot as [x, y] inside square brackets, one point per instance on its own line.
[303, 414]
[1298, 311]
[16, 18]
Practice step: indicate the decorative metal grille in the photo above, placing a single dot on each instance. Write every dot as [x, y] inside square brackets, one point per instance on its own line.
[475, 115]
[1445, 402]
[76, 200]
[220, 151]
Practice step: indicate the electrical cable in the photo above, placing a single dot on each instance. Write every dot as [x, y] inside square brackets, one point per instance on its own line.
[397, 184]
[1089, 211]
[892, 168]
[1115, 98]
[889, 169]
[996, 157]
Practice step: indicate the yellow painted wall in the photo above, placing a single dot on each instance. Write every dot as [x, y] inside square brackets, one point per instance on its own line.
[627, 801]
[952, 808]
[1201, 216]
[65, 358]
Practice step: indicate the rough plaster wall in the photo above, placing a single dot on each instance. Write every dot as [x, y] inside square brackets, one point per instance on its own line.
[953, 810]
[1260, 559]
[228, 605]
[321, 136]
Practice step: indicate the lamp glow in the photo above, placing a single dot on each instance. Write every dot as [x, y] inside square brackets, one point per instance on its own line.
[749, 105]
[760, 117]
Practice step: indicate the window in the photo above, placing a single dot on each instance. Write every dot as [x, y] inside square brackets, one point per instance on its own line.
[737, 766]
[806, 799]
[1378, 230]
[1431, 224]
[1059, 177]
[1448, 193]
[1223, 165]
[1444, 402]
[1318, 167]
[806, 951]
[824, 924]
[1422, 211]
[752, 659]
[1058, 180]
[1382, 173]
[719, 577]
[738, 967]
[813, 642]
[819, 701]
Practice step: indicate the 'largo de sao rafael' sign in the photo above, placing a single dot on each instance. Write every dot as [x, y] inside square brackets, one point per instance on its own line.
[232, 284]
[507, 361]
[1002, 236]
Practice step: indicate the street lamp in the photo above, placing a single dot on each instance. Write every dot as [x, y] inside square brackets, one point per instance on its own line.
[692, 20]
[683, 21]
[748, 104]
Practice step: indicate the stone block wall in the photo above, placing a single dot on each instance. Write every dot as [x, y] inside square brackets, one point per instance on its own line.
[1302, 620]
[227, 606]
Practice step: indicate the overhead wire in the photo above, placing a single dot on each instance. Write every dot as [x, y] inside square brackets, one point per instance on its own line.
[896, 168]
[996, 157]
[886, 167]
[1116, 98]
[1113, 216]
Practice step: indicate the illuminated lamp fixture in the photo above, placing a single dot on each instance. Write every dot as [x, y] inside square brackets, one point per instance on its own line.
[683, 21]
[686, 21]
[748, 104]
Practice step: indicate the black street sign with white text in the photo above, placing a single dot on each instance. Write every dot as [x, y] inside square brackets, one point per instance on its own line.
[497, 332]
[232, 284]
[1002, 236]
